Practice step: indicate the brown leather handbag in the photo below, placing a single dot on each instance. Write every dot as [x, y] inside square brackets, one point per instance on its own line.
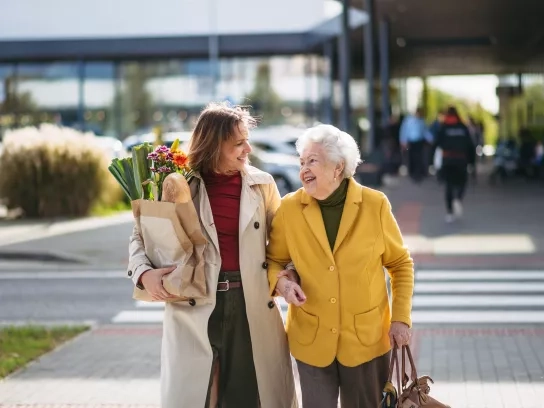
[414, 391]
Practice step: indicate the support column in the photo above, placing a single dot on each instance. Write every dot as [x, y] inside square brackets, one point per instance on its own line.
[344, 63]
[308, 93]
[81, 94]
[118, 101]
[369, 75]
[15, 95]
[213, 48]
[425, 98]
[327, 93]
[384, 71]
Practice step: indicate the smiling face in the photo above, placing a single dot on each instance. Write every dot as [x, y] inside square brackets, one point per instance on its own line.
[235, 151]
[319, 176]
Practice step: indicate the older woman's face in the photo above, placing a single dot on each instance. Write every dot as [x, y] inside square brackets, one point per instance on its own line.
[317, 172]
[235, 151]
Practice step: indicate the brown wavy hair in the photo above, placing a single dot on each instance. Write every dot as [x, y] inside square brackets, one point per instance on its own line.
[215, 125]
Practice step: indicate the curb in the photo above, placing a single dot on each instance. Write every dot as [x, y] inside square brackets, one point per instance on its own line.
[47, 256]
[37, 359]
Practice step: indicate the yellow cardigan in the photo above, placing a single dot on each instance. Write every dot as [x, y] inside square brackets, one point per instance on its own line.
[347, 314]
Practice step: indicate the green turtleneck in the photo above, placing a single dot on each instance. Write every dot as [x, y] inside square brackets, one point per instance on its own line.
[331, 210]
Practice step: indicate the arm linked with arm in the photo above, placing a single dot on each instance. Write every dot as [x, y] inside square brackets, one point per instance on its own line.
[277, 251]
[396, 258]
[273, 201]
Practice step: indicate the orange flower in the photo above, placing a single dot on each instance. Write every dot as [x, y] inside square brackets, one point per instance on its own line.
[180, 159]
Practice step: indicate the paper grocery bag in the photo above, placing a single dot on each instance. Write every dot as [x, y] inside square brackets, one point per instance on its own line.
[172, 237]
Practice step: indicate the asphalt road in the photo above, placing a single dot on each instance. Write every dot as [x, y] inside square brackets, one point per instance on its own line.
[63, 297]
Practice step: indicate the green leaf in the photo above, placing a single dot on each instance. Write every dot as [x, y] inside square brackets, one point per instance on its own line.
[141, 168]
[122, 171]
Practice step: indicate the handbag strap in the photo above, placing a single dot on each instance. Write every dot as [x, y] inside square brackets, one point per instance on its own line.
[394, 359]
[406, 351]
[395, 362]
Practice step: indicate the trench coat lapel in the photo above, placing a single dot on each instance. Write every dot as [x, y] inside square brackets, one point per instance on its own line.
[250, 199]
[350, 212]
[202, 205]
[314, 219]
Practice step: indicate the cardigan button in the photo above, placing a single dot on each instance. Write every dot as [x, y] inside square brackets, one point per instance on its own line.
[265, 265]
[256, 225]
[129, 273]
[192, 302]
[271, 304]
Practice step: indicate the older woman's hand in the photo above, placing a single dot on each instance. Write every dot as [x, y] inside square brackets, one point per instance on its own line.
[400, 334]
[290, 274]
[290, 291]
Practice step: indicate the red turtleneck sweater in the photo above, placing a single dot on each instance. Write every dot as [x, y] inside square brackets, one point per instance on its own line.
[224, 193]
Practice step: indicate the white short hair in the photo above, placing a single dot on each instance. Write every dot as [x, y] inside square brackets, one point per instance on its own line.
[339, 146]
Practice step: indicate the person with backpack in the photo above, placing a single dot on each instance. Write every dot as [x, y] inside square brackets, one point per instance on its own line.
[458, 152]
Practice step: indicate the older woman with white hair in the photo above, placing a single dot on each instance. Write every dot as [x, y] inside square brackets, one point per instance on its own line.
[339, 235]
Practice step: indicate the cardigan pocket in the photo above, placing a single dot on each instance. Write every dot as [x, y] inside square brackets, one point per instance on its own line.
[304, 327]
[368, 327]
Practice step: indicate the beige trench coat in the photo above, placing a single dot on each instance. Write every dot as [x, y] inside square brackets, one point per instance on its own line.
[186, 358]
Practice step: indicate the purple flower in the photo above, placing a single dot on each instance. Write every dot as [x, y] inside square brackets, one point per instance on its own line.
[162, 149]
[153, 156]
[163, 169]
[153, 169]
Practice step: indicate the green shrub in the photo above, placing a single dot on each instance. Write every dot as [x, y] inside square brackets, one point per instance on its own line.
[54, 172]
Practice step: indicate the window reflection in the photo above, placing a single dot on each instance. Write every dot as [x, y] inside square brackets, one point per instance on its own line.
[8, 99]
[48, 93]
[135, 97]
[99, 98]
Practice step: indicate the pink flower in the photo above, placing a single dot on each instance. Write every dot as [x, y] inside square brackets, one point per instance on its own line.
[153, 156]
[162, 149]
[163, 169]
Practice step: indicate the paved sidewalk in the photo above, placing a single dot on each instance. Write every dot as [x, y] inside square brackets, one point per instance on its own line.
[502, 226]
[107, 366]
[119, 366]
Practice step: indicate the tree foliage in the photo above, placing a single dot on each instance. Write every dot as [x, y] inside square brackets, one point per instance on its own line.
[438, 100]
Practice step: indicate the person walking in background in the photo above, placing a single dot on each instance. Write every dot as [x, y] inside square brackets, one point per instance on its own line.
[434, 128]
[413, 135]
[458, 151]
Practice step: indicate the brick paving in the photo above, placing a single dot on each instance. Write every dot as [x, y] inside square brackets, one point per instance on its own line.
[109, 366]
[118, 366]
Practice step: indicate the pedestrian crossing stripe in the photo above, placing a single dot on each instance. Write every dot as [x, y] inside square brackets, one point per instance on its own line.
[461, 275]
[478, 287]
[440, 297]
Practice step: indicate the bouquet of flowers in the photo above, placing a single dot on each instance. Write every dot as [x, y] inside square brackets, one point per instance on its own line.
[157, 183]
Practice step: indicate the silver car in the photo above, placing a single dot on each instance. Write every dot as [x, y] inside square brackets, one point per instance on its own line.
[283, 167]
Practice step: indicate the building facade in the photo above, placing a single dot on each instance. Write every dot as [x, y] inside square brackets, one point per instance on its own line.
[121, 68]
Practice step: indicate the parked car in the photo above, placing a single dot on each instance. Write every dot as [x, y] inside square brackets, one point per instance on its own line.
[283, 167]
[112, 146]
[276, 139]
